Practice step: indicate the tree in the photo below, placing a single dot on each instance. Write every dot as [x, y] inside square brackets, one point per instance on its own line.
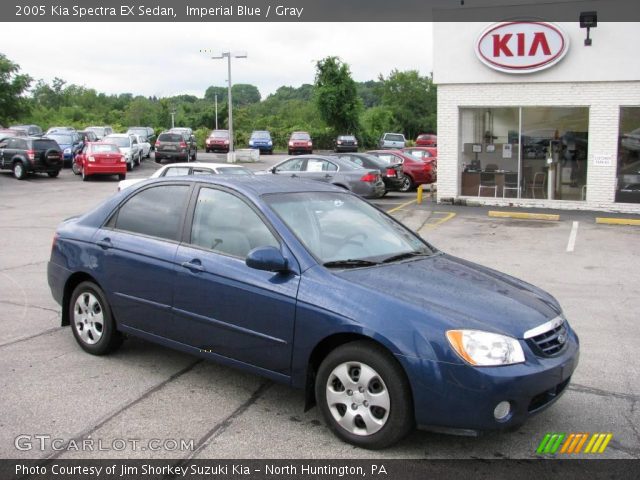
[412, 99]
[12, 86]
[336, 95]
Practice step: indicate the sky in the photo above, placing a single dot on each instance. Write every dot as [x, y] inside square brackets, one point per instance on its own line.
[164, 59]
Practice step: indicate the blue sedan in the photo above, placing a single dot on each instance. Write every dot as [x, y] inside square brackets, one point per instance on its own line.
[309, 285]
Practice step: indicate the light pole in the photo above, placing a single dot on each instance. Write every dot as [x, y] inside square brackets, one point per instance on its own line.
[228, 56]
[216, 100]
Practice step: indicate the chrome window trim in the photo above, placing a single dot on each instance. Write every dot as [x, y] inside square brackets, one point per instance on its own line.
[545, 327]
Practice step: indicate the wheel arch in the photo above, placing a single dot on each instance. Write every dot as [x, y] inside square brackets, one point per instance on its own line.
[72, 282]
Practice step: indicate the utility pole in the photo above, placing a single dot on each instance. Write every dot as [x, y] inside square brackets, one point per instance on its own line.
[216, 100]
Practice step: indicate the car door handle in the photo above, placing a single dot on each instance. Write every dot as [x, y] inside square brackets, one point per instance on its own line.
[293, 175]
[105, 243]
[194, 265]
[328, 175]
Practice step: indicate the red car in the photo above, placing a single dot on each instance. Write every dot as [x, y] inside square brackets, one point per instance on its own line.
[416, 171]
[427, 140]
[97, 158]
[300, 142]
[217, 141]
[423, 153]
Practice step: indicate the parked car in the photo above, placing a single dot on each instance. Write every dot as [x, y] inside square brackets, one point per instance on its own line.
[101, 132]
[423, 153]
[342, 173]
[146, 132]
[129, 147]
[69, 143]
[100, 158]
[391, 173]
[309, 285]
[300, 142]
[60, 130]
[174, 147]
[392, 140]
[190, 168]
[346, 143]
[88, 136]
[29, 130]
[187, 132]
[25, 155]
[11, 132]
[261, 139]
[427, 140]
[415, 171]
[217, 141]
[144, 145]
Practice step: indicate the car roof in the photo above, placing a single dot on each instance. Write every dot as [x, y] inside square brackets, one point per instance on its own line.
[203, 164]
[121, 135]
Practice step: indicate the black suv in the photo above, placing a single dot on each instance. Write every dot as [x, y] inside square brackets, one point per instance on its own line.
[176, 147]
[24, 155]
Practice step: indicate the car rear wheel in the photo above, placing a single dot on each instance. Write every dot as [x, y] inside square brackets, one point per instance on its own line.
[122, 176]
[19, 171]
[75, 168]
[85, 177]
[91, 320]
[407, 184]
[364, 395]
[129, 167]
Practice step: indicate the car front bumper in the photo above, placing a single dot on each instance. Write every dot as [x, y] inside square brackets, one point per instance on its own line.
[459, 398]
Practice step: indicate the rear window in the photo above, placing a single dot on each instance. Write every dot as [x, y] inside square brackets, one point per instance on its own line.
[44, 144]
[170, 137]
[104, 148]
[394, 137]
[233, 171]
[119, 141]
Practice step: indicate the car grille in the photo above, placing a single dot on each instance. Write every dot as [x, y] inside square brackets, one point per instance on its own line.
[549, 342]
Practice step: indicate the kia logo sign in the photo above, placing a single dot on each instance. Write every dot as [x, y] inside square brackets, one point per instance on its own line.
[521, 47]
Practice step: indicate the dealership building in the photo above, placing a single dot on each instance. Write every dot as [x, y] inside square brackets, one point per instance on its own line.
[539, 114]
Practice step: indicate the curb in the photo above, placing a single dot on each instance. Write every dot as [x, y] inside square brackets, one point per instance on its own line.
[524, 215]
[617, 221]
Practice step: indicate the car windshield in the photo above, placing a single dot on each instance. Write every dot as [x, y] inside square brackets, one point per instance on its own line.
[234, 171]
[346, 137]
[220, 134]
[44, 144]
[96, 130]
[138, 131]
[104, 148]
[341, 230]
[261, 135]
[61, 139]
[119, 141]
[300, 136]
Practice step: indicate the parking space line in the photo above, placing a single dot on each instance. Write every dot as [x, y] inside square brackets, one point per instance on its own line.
[572, 237]
[401, 206]
[447, 216]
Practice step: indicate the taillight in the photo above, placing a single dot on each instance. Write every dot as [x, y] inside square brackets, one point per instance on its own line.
[391, 172]
[31, 155]
[158, 143]
[369, 178]
[122, 159]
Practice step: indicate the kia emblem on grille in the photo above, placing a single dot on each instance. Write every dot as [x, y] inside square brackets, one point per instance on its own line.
[562, 338]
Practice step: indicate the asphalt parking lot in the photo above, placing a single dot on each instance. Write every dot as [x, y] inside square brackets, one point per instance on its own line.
[50, 387]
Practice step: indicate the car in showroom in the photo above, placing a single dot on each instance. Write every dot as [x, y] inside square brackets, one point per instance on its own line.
[261, 139]
[128, 145]
[175, 147]
[100, 158]
[345, 143]
[310, 286]
[217, 141]
[24, 155]
[300, 142]
[391, 173]
[366, 182]
[415, 171]
[190, 168]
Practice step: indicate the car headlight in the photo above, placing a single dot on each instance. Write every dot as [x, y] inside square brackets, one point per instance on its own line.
[484, 349]
[67, 150]
[270, 143]
[251, 142]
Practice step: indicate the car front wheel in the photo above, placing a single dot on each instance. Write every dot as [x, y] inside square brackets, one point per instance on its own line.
[407, 184]
[19, 171]
[91, 320]
[364, 395]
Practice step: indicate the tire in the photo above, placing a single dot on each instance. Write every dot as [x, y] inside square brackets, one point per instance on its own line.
[195, 156]
[75, 168]
[380, 392]
[91, 320]
[407, 184]
[289, 151]
[54, 173]
[156, 159]
[85, 177]
[19, 171]
[136, 161]
[122, 176]
[129, 166]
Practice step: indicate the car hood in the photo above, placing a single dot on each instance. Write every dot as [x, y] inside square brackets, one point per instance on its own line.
[463, 294]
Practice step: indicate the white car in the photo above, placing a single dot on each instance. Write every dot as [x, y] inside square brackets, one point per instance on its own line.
[190, 168]
[145, 146]
[128, 145]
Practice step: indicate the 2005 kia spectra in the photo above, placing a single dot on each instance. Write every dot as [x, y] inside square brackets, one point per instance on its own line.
[309, 285]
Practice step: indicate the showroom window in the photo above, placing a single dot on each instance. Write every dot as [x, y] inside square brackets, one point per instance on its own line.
[628, 185]
[524, 152]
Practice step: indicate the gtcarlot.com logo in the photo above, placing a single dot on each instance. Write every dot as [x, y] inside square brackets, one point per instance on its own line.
[574, 443]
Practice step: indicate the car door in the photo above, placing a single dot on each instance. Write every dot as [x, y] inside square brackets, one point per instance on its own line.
[320, 169]
[292, 167]
[137, 249]
[222, 306]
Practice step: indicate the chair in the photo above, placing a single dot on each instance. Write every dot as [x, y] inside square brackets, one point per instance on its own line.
[491, 167]
[511, 183]
[539, 183]
[488, 180]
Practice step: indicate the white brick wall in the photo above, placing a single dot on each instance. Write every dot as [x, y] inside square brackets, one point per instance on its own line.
[603, 99]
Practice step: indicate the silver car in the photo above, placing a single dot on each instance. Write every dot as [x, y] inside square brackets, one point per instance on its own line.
[129, 147]
[395, 141]
[364, 182]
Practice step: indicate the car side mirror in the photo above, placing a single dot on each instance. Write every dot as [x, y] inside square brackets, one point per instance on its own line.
[267, 258]
[273, 169]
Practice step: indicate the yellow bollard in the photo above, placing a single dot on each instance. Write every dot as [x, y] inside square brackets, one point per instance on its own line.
[419, 199]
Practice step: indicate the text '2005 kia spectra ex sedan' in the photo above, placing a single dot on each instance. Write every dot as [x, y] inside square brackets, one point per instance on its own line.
[309, 285]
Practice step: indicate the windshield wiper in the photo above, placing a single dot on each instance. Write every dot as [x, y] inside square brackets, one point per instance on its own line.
[350, 263]
[402, 256]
